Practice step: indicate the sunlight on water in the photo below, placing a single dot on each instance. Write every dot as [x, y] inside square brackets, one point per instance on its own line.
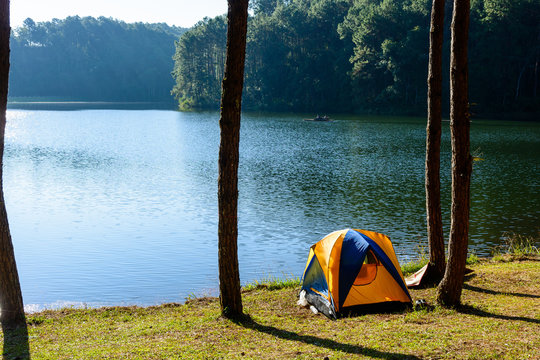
[117, 207]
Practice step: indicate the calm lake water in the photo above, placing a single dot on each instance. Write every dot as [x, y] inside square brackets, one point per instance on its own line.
[115, 207]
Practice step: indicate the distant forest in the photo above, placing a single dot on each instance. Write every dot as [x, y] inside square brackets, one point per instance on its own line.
[89, 59]
[317, 56]
[363, 56]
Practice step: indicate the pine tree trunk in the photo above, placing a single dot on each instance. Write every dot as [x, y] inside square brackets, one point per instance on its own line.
[12, 309]
[449, 291]
[231, 99]
[436, 266]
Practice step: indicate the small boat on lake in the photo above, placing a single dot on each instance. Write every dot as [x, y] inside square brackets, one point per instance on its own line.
[319, 118]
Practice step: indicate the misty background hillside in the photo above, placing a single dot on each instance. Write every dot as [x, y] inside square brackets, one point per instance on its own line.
[89, 59]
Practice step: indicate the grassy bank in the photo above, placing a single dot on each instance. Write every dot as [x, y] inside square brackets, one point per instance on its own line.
[500, 319]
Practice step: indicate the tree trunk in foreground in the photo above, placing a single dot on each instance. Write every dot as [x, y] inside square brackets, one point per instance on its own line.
[435, 270]
[449, 291]
[231, 99]
[12, 309]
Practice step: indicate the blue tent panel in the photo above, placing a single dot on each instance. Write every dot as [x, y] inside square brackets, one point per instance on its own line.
[314, 279]
[353, 253]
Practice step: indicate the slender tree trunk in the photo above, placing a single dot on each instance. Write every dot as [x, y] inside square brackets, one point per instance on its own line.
[12, 310]
[535, 85]
[518, 86]
[435, 270]
[449, 291]
[12, 316]
[231, 99]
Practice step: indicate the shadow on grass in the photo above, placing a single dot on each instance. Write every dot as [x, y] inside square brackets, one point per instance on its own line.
[471, 310]
[249, 323]
[16, 345]
[492, 292]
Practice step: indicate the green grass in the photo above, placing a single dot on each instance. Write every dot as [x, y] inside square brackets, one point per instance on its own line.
[517, 247]
[273, 283]
[499, 320]
[413, 266]
[472, 258]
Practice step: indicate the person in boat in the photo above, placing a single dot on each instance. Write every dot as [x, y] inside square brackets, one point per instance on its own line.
[319, 118]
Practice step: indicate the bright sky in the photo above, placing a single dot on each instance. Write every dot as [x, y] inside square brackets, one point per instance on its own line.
[183, 13]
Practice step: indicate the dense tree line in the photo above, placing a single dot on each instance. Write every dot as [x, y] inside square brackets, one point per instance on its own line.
[200, 59]
[92, 59]
[362, 55]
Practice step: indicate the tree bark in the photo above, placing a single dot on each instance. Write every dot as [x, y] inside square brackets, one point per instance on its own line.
[231, 100]
[449, 291]
[518, 86]
[436, 265]
[536, 67]
[11, 303]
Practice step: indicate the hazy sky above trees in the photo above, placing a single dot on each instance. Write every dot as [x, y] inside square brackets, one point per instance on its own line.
[184, 13]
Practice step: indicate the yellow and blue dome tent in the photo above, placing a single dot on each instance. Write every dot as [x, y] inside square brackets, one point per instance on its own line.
[353, 270]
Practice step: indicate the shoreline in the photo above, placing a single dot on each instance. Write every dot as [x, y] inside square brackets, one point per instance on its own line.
[499, 306]
[270, 283]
